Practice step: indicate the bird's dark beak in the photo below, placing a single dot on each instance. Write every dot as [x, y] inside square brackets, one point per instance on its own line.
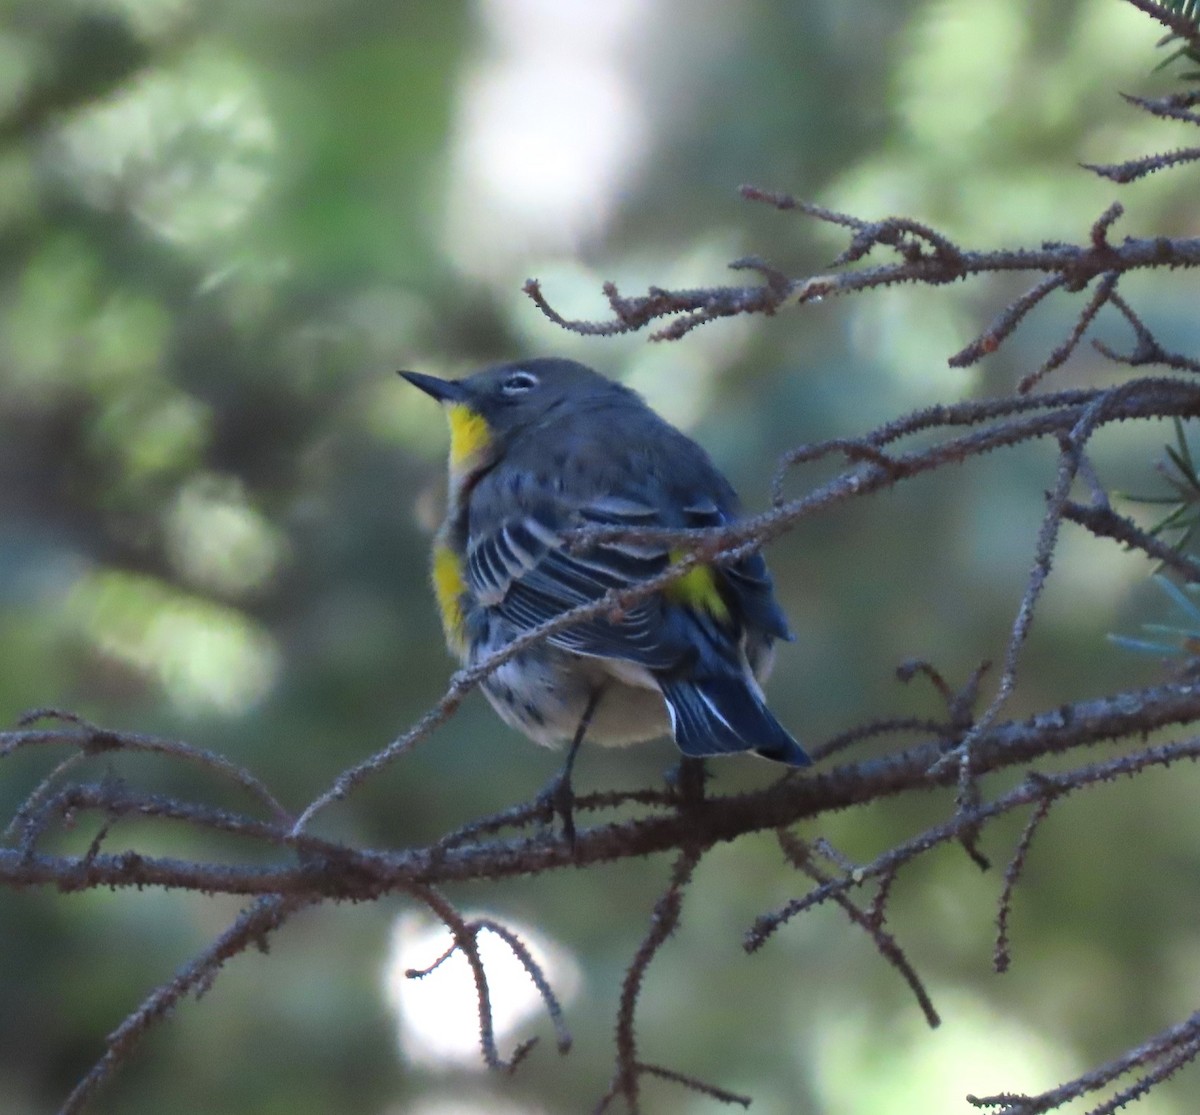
[444, 390]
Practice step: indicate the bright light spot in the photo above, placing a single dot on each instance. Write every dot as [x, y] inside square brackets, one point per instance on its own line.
[125, 339]
[519, 125]
[438, 1015]
[910, 334]
[979, 150]
[864, 1066]
[39, 329]
[961, 71]
[204, 655]
[218, 540]
[17, 68]
[185, 149]
[154, 435]
[459, 1104]
[549, 130]
[61, 325]
[1093, 573]
[149, 17]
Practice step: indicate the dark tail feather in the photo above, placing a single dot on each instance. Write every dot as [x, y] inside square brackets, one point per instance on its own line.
[717, 715]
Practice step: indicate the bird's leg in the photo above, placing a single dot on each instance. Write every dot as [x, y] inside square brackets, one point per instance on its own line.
[559, 796]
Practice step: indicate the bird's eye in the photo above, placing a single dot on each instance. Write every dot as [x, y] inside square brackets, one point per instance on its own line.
[518, 383]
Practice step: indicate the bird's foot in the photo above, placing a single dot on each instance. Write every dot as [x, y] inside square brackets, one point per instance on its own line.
[557, 800]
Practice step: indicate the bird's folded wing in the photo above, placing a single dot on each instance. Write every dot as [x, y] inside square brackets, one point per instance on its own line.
[530, 573]
[747, 578]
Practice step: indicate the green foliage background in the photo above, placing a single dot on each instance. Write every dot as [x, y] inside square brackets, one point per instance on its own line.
[224, 225]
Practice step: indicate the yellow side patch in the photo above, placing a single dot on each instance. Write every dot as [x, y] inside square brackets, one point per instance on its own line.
[449, 585]
[697, 588]
[469, 434]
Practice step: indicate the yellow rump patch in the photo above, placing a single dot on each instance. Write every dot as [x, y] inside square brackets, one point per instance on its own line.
[449, 585]
[469, 434]
[697, 588]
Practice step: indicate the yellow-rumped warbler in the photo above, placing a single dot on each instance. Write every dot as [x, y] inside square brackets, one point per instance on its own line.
[539, 448]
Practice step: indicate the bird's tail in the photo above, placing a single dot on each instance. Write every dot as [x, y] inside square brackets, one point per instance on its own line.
[717, 715]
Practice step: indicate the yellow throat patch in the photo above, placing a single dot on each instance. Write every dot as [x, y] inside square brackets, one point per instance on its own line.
[469, 437]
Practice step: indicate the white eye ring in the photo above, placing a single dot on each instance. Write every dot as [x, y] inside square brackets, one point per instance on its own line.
[518, 383]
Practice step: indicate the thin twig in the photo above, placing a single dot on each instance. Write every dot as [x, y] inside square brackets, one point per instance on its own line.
[1003, 954]
[665, 920]
[886, 944]
[252, 926]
